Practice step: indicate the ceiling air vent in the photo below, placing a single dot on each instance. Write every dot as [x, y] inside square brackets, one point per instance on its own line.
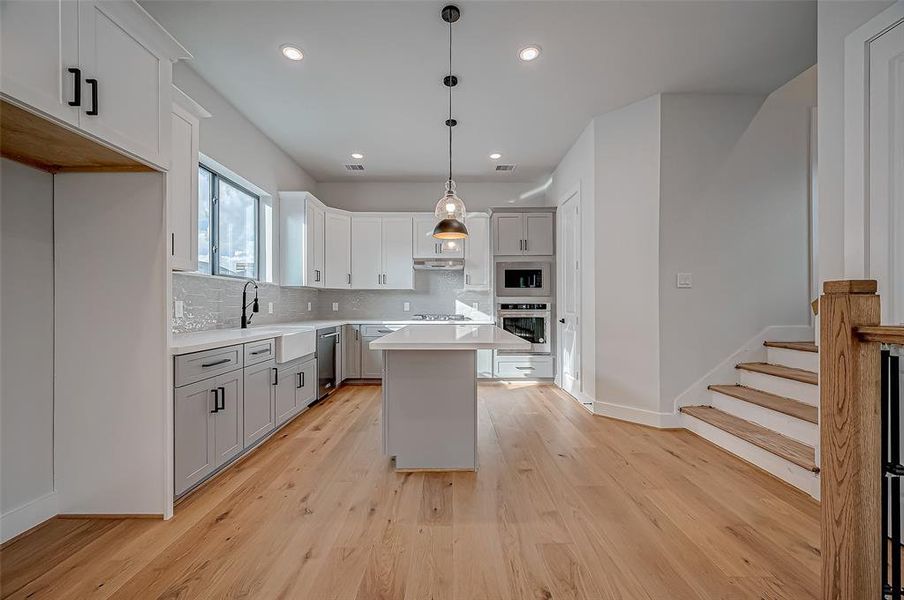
[505, 167]
[354, 167]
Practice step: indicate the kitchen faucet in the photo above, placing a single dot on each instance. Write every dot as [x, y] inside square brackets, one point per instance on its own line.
[255, 307]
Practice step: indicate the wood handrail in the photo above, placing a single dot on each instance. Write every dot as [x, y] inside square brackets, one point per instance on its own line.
[885, 334]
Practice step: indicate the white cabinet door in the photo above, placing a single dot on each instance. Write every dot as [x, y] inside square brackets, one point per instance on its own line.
[307, 384]
[228, 419]
[484, 364]
[337, 239]
[398, 269]
[538, 234]
[292, 238]
[258, 407]
[371, 360]
[352, 354]
[314, 230]
[193, 434]
[367, 267]
[127, 78]
[508, 231]
[182, 190]
[38, 44]
[425, 245]
[477, 252]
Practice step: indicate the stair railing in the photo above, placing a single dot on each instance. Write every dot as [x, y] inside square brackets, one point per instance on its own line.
[860, 445]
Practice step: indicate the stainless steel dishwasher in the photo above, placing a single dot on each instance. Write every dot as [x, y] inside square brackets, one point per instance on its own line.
[327, 340]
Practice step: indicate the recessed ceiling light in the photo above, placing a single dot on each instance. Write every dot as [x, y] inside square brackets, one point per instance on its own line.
[291, 52]
[357, 155]
[495, 156]
[529, 53]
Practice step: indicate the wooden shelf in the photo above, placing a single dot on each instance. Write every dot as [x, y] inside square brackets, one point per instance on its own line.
[33, 140]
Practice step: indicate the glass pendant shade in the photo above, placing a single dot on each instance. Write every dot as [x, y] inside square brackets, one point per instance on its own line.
[450, 211]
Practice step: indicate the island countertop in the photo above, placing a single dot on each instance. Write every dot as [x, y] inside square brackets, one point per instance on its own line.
[450, 337]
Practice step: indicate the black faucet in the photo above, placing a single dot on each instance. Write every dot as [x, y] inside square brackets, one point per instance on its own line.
[255, 307]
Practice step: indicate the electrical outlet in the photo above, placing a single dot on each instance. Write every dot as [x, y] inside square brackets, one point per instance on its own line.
[406, 306]
[335, 306]
[179, 309]
[270, 307]
[309, 307]
[475, 305]
[685, 280]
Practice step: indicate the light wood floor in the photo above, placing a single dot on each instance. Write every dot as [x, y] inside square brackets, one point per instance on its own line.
[565, 505]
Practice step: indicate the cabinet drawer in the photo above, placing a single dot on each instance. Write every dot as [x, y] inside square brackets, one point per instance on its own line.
[201, 365]
[378, 330]
[523, 367]
[257, 352]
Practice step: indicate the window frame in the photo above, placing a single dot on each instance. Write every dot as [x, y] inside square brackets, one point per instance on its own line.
[214, 203]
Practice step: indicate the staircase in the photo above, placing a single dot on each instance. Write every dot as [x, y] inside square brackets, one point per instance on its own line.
[770, 416]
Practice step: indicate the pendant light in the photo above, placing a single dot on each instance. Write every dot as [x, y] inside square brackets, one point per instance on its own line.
[450, 210]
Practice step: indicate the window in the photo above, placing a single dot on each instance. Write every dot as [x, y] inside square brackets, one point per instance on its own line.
[227, 227]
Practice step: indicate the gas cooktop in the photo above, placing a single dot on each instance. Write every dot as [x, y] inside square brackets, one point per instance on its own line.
[433, 317]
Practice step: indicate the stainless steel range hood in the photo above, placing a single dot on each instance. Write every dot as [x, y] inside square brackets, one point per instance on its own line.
[439, 264]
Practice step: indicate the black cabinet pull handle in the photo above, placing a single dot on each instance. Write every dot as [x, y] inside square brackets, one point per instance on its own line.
[302, 378]
[216, 401]
[298, 383]
[222, 361]
[275, 376]
[93, 84]
[76, 87]
[222, 405]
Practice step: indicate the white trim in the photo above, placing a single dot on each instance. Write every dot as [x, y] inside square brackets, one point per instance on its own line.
[751, 351]
[856, 143]
[640, 416]
[33, 513]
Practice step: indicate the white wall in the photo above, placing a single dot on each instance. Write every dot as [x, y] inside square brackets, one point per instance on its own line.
[734, 213]
[233, 141]
[835, 20]
[422, 196]
[26, 348]
[627, 167]
[576, 172]
[111, 351]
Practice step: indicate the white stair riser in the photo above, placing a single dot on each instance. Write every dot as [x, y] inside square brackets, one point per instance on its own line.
[788, 388]
[795, 428]
[799, 477]
[796, 359]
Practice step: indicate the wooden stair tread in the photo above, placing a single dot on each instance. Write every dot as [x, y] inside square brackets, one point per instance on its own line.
[801, 346]
[781, 404]
[801, 375]
[791, 450]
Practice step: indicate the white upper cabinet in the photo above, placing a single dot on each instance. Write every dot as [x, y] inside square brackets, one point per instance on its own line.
[182, 182]
[528, 234]
[367, 257]
[337, 240]
[39, 45]
[477, 252]
[427, 246]
[101, 66]
[382, 253]
[314, 237]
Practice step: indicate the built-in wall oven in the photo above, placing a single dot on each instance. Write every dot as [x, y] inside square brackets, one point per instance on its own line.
[519, 279]
[529, 321]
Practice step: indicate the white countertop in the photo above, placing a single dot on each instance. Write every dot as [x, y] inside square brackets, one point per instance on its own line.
[196, 341]
[450, 337]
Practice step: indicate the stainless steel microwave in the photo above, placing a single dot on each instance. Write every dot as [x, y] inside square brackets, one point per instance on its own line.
[517, 279]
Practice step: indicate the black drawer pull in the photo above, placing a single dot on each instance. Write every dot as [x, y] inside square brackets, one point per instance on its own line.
[222, 405]
[93, 84]
[275, 376]
[222, 361]
[76, 87]
[264, 351]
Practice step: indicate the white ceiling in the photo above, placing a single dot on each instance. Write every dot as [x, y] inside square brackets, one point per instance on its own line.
[371, 80]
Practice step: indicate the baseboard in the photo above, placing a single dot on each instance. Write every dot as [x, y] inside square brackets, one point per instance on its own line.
[640, 416]
[751, 351]
[19, 520]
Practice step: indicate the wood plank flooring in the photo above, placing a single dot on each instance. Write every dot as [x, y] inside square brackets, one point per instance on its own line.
[565, 505]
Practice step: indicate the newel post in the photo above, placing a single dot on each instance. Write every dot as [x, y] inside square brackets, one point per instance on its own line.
[850, 443]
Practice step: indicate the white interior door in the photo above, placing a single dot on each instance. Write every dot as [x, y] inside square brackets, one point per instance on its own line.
[886, 170]
[569, 301]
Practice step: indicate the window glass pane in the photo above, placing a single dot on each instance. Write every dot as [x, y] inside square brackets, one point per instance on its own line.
[205, 180]
[237, 239]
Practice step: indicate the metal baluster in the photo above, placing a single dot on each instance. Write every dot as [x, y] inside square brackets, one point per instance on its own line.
[886, 587]
[895, 442]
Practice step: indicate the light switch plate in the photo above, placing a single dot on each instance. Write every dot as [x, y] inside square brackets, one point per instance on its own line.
[309, 307]
[270, 307]
[335, 306]
[475, 305]
[179, 309]
[406, 306]
[685, 280]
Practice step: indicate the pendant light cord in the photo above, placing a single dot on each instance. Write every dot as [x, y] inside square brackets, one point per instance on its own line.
[450, 101]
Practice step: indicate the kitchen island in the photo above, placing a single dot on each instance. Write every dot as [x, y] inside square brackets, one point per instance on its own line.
[430, 393]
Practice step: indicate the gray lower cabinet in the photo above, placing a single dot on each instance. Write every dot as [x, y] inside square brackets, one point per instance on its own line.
[296, 388]
[207, 427]
[260, 401]
[352, 354]
[371, 360]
